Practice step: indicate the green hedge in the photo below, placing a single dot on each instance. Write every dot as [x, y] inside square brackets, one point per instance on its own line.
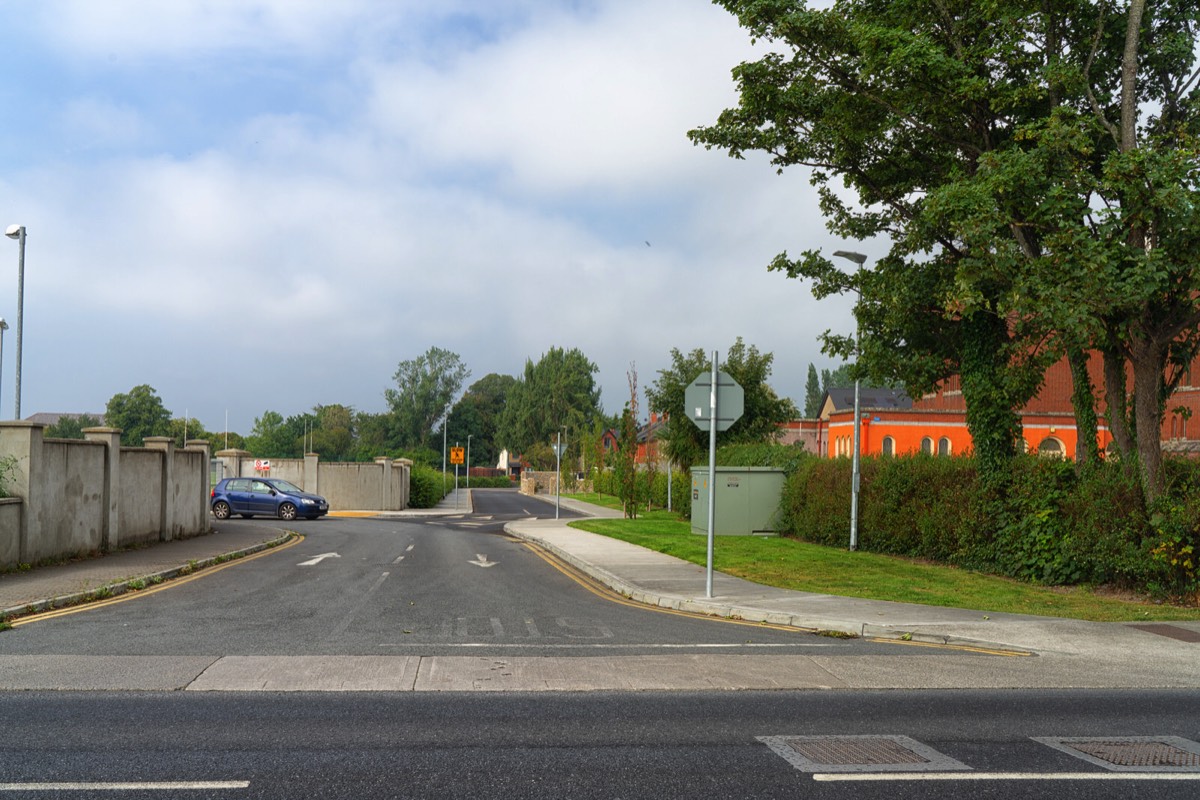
[1051, 526]
[425, 487]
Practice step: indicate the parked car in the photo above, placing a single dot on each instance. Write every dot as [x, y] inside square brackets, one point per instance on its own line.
[265, 496]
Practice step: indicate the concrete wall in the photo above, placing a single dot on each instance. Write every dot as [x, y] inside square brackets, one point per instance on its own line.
[141, 495]
[382, 485]
[76, 497]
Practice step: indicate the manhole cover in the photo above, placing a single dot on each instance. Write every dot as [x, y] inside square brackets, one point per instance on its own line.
[859, 754]
[1132, 753]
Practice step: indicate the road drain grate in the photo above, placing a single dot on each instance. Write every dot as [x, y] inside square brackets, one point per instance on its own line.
[859, 754]
[1132, 753]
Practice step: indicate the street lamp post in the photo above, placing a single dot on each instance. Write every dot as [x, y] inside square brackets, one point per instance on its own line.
[3, 328]
[18, 232]
[859, 259]
[557, 471]
[469, 435]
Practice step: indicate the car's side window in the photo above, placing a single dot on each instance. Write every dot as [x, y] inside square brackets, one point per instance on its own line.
[239, 486]
[261, 488]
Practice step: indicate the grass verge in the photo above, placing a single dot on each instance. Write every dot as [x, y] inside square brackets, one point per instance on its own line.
[792, 564]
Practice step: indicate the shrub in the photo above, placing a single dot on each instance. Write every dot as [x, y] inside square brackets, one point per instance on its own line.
[425, 487]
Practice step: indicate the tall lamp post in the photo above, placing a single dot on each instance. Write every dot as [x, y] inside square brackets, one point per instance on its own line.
[18, 232]
[3, 328]
[859, 259]
[469, 435]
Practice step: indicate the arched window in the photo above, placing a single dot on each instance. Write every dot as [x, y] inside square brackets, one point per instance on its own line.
[927, 446]
[889, 446]
[943, 446]
[1051, 448]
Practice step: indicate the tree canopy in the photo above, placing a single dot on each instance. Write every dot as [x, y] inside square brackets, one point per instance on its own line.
[685, 444]
[477, 414]
[557, 392]
[1032, 166]
[425, 389]
[138, 413]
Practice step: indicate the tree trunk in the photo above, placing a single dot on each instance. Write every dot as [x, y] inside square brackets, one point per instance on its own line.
[994, 426]
[1116, 399]
[1149, 363]
[1083, 398]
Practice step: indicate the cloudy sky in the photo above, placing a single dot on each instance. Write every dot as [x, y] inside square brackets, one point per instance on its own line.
[268, 204]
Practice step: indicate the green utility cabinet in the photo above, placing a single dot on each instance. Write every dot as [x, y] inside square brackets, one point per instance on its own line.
[747, 500]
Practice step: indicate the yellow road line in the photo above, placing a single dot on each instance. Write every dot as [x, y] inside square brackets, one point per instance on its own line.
[133, 594]
[605, 592]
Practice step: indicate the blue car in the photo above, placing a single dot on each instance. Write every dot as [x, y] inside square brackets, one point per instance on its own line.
[265, 496]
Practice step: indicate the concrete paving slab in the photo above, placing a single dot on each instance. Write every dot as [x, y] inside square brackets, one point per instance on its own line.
[100, 673]
[309, 674]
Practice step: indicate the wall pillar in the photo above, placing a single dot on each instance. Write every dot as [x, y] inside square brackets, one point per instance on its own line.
[23, 442]
[312, 480]
[166, 445]
[385, 482]
[232, 462]
[205, 482]
[111, 527]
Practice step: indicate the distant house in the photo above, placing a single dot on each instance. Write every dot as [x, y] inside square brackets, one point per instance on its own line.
[47, 418]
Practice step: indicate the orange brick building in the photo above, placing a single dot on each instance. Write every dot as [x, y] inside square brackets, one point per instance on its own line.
[893, 424]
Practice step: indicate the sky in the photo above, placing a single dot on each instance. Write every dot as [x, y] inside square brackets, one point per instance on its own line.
[257, 205]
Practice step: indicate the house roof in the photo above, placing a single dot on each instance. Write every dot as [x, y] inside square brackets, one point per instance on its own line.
[842, 399]
[52, 418]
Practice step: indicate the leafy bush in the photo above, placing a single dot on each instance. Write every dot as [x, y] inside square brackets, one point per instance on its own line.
[482, 482]
[425, 487]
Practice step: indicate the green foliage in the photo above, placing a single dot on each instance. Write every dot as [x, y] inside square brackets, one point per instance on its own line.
[558, 392]
[425, 388]
[490, 482]
[762, 454]
[477, 414]
[71, 427]
[684, 443]
[1051, 525]
[812, 394]
[139, 413]
[184, 430]
[8, 469]
[425, 487]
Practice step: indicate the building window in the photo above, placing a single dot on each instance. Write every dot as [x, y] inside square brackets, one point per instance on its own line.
[889, 446]
[927, 446]
[943, 446]
[1051, 448]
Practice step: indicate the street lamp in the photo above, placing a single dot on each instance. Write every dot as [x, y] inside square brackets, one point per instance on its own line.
[859, 259]
[3, 328]
[557, 471]
[18, 232]
[469, 435]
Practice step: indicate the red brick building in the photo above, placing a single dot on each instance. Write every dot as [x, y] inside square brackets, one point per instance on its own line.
[936, 422]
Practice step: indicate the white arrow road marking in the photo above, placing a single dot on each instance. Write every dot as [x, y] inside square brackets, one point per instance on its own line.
[482, 561]
[312, 562]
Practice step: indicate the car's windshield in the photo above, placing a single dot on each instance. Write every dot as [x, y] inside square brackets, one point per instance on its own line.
[287, 486]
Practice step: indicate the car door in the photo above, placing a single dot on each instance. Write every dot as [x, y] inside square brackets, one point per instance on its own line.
[262, 498]
[237, 492]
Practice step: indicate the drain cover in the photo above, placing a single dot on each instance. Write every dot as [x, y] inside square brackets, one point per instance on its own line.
[1132, 753]
[859, 754]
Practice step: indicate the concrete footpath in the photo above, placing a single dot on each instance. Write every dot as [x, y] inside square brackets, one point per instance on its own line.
[1047, 652]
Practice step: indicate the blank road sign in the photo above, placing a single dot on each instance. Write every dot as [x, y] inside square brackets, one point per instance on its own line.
[731, 401]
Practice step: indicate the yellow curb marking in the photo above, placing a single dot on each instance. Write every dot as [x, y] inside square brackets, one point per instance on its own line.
[967, 648]
[170, 583]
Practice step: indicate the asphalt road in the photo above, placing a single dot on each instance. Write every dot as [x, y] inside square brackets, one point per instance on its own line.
[590, 745]
[441, 586]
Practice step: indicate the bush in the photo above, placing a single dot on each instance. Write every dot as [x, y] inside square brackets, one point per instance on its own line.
[425, 487]
[488, 482]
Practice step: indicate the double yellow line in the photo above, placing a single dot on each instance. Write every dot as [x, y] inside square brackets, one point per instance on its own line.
[133, 594]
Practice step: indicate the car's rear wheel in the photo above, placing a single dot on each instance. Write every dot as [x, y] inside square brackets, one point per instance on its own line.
[287, 511]
[221, 509]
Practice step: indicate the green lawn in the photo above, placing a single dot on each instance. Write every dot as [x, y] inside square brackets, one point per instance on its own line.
[792, 564]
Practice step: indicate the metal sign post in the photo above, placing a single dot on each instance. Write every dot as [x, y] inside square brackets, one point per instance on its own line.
[725, 401]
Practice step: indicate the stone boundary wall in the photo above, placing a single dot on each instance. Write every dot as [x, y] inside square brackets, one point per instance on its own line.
[72, 497]
[381, 485]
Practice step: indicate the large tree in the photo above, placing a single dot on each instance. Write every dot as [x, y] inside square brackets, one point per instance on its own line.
[559, 392]
[138, 413]
[1034, 207]
[477, 414]
[425, 389]
[764, 409]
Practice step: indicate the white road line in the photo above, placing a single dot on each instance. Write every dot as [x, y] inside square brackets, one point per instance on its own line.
[409, 548]
[160, 786]
[1007, 776]
[750, 646]
[398, 560]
